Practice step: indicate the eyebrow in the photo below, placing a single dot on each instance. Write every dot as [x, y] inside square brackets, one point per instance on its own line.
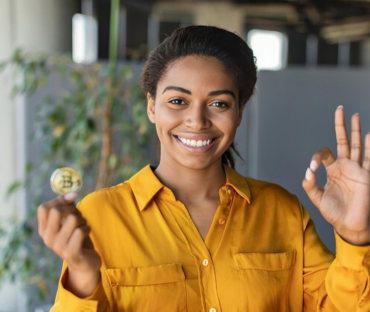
[176, 89]
[212, 93]
[219, 92]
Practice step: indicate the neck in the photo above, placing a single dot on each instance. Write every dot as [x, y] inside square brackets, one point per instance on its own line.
[191, 185]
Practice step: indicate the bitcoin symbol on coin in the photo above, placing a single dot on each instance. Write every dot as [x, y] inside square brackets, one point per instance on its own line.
[67, 181]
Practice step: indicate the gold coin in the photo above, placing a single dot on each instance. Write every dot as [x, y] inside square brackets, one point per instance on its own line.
[65, 180]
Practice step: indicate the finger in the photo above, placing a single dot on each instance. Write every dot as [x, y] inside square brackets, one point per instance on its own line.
[341, 134]
[323, 156]
[60, 201]
[53, 226]
[312, 189]
[56, 220]
[356, 144]
[42, 217]
[75, 243]
[71, 223]
[366, 163]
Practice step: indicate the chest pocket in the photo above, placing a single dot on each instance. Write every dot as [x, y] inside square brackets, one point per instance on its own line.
[265, 280]
[152, 288]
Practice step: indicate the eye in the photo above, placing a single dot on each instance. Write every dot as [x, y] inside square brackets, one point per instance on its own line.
[177, 102]
[220, 104]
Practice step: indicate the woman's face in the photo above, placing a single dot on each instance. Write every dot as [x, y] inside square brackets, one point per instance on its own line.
[196, 112]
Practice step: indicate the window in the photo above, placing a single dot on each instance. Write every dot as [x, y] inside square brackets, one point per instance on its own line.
[269, 47]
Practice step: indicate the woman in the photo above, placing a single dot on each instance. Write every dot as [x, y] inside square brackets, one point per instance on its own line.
[194, 235]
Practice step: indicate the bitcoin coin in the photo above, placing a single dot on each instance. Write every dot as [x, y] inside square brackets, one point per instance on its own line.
[65, 180]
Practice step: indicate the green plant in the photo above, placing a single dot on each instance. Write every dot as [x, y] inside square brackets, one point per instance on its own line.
[96, 123]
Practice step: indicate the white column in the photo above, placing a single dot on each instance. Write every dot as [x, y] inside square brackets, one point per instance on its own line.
[8, 293]
[36, 25]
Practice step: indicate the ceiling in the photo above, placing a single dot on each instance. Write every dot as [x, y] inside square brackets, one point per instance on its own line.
[335, 21]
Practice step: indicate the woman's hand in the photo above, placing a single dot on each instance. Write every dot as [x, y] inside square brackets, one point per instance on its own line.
[345, 199]
[64, 231]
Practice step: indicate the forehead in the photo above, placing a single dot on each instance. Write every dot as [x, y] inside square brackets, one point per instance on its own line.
[191, 71]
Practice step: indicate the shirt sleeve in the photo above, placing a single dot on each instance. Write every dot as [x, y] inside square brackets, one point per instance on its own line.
[339, 283]
[66, 301]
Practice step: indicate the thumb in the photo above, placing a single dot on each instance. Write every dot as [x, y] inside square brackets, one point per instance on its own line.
[311, 188]
[69, 197]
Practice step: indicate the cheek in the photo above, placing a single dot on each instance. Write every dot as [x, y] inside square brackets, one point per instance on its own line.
[166, 120]
[228, 124]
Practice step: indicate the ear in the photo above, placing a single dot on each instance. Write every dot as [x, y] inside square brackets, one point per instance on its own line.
[240, 117]
[150, 108]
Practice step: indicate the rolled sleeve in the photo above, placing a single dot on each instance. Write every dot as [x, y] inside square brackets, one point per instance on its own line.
[353, 257]
[67, 301]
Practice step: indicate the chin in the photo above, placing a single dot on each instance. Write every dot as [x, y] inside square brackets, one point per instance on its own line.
[198, 164]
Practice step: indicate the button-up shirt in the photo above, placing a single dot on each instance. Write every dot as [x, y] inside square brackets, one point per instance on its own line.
[261, 253]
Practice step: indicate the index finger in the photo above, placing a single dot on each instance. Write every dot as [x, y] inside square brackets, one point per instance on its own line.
[61, 200]
[341, 134]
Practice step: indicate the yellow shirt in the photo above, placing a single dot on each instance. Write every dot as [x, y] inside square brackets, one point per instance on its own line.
[261, 254]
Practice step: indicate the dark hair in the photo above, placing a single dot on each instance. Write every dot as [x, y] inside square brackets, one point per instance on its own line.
[227, 47]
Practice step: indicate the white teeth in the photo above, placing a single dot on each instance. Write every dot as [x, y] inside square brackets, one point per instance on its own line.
[195, 143]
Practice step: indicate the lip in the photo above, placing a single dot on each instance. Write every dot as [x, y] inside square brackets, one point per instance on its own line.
[194, 149]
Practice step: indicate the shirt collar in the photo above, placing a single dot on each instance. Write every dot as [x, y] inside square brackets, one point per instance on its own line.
[145, 185]
[238, 183]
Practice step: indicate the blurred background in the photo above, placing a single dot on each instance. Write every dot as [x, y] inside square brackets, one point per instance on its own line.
[312, 56]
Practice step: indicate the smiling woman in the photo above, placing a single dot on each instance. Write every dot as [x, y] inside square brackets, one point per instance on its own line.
[192, 234]
[195, 102]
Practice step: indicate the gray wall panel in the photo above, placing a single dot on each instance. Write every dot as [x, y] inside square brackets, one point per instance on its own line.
[290, 116]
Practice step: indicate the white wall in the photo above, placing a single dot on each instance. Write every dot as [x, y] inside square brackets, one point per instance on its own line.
[36, 25]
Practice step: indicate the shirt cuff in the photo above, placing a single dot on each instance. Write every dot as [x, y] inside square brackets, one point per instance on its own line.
[351, 256]
[69, 302]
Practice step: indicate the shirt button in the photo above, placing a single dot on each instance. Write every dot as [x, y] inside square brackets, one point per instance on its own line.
[212, 310]
[228, 191]
[205, 262]
[221, 220]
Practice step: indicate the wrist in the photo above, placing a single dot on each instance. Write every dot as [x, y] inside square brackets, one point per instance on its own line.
[356, 238]
[82, 284]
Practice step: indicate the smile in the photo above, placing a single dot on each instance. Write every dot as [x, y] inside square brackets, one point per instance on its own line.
[195, 143]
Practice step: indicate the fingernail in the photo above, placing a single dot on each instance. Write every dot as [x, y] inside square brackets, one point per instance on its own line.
[70, 196]
[308, 176]
[340, 107]
[314, 165]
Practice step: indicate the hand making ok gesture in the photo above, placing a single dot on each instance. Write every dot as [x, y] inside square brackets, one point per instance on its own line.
[344, 201]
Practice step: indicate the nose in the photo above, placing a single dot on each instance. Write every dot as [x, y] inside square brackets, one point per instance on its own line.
[197, 118]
